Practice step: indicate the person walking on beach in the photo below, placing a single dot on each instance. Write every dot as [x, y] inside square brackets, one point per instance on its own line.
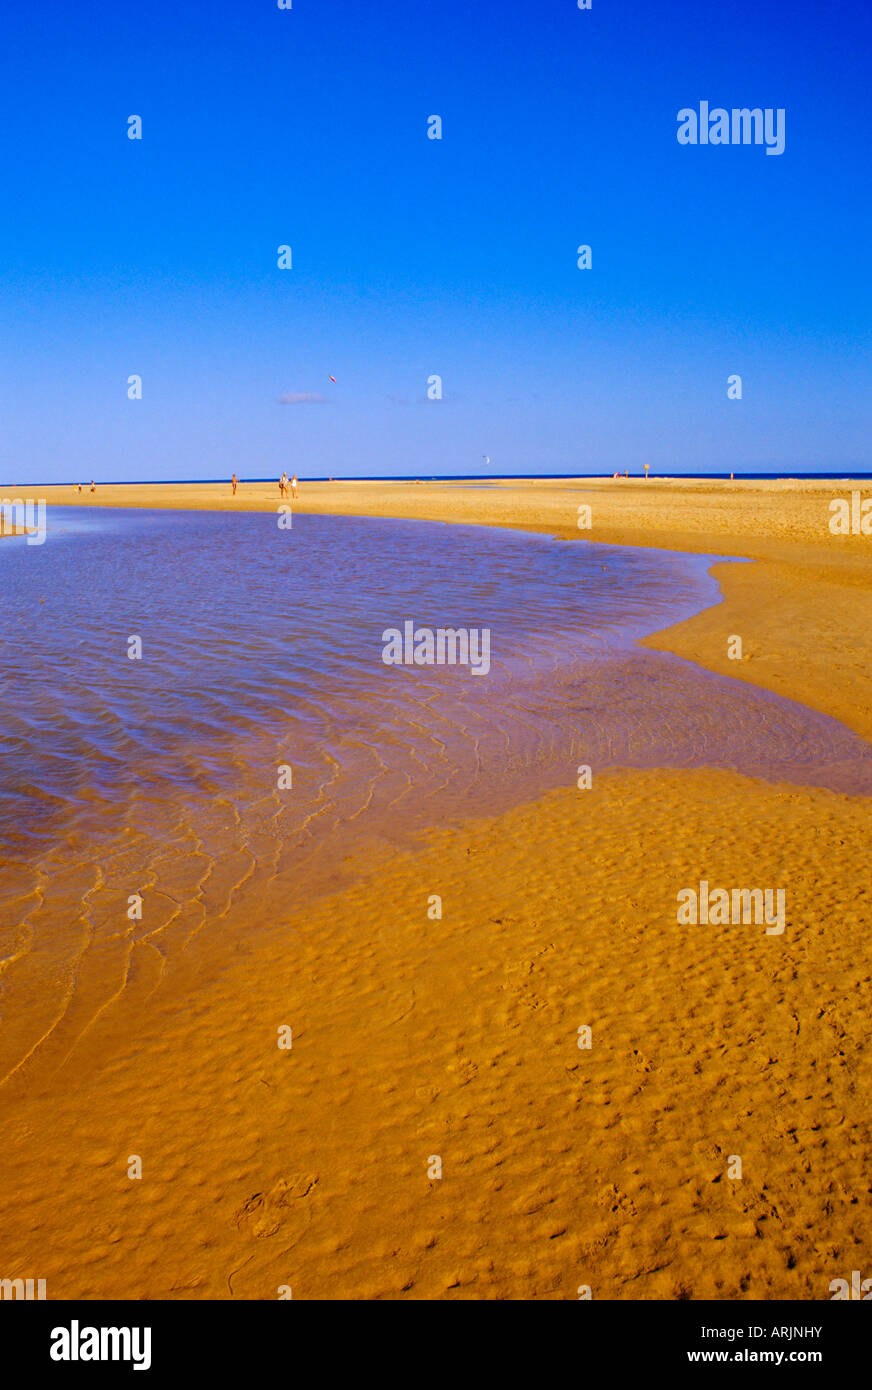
[233, 484]
[93, 486]
[294, 485]
[283, 485]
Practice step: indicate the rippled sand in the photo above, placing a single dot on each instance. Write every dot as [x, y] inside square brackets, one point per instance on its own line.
[456, 1037]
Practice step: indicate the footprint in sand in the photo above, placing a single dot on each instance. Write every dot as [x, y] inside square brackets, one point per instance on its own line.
[614, 1200]
[518, 984]
[640, 1062]
[463, 1070]
[265, 1213]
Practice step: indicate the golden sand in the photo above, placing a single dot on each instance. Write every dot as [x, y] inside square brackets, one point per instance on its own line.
[416, 1039]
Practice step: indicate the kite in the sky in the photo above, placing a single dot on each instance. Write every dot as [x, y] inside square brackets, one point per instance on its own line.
[332, 378]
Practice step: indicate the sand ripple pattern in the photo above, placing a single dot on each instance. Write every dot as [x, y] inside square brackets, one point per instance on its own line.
[262, 647]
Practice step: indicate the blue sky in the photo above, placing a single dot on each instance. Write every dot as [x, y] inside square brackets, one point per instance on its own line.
[414, 257]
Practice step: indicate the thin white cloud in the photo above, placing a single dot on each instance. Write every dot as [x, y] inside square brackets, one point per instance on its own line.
[301, 398]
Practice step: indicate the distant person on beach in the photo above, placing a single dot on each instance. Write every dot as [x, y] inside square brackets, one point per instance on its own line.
[283, 485]
[93, 486]
[233, 484]
[647, 466]
[294, 485]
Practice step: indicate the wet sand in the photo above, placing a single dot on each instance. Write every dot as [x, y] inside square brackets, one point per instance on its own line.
[417, 1038]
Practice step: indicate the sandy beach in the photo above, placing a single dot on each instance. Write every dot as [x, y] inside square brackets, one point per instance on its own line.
[439, 1129]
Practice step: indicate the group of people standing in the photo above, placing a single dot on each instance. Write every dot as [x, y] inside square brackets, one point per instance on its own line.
[286, 489]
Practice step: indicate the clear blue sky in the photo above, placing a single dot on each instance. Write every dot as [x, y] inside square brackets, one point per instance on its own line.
[414, 256]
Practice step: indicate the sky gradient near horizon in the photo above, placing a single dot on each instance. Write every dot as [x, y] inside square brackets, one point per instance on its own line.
[414, 257]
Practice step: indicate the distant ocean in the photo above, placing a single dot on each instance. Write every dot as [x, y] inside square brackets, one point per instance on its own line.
[838, 475]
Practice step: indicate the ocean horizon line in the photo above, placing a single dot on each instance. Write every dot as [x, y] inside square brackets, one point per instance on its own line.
[811, 475]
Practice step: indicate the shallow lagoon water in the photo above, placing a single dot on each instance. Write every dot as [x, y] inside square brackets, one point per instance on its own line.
[262, 649]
